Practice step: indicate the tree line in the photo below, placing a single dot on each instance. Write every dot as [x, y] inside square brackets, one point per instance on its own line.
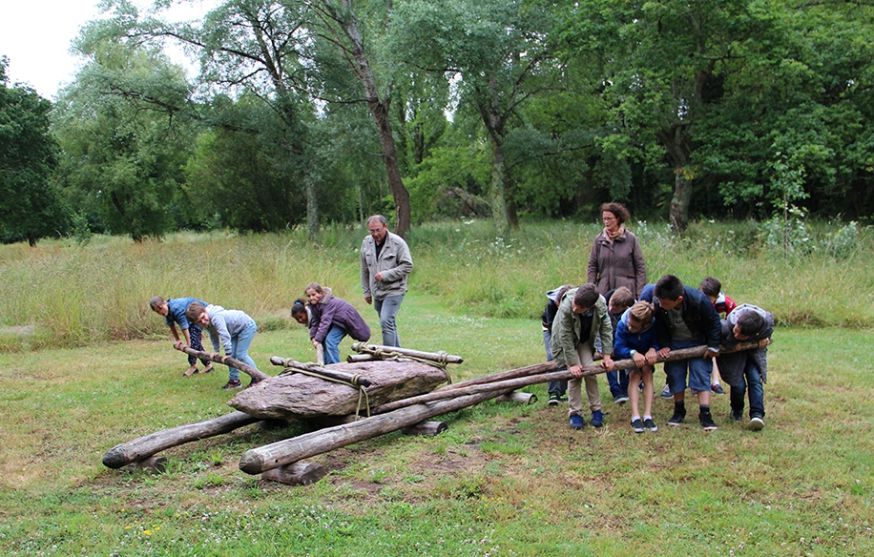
[309, 112]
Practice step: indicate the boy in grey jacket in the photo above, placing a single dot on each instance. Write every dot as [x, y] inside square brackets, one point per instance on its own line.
[385, 265]
[233, 328]
[582, 316]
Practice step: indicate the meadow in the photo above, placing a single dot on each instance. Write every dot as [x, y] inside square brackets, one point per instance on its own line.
[85, 365]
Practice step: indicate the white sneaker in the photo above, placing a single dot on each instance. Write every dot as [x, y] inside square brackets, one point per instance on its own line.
[757, 424]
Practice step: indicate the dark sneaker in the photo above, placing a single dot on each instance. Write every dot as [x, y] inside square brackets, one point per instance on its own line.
[232, 385]
[757, 423]
[736, 415]
[678, 417]
[650, 424]
[706, 421]
[554, 399]
[717, 389]
[620, 399]
[666, 392]
[637, 425]
[597, 418]
[577, 422]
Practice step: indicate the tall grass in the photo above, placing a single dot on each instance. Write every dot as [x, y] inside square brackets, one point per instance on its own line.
[63, 294]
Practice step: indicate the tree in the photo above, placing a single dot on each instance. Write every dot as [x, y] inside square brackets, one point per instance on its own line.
[251, 46]
[501, 52]
[122, 142]
[341, 29]
[663, 67]
[29, 201]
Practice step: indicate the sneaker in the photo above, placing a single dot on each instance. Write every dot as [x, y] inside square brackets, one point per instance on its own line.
[678, 417]
[190, 371]
[620, 399]
[207, 369]
[736, 415]
[706, 421]
[757, 423]
[666, 392]
[554, 399]
[232, 385]
[637, 425]
[717, 389]
[597, 418]
[577, 422]
[650, 424]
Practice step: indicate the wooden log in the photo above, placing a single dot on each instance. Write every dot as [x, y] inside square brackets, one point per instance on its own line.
[351, 358]
[256, 374]
[155, 464]
[389, 351]
[303, 472]
[428, 428]
[353, 378]
[526, 380]
[500, 376]
[296, 395]
[518, 397]
[282, 453]
[143, 447]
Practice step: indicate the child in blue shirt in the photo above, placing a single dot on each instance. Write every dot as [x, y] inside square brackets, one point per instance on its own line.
[173, 310]
[635, 338]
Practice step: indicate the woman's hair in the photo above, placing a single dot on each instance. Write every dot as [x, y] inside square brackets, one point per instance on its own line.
[618, 209]
[314, 286]
[155, 301]
[194, 311]
[298, 306]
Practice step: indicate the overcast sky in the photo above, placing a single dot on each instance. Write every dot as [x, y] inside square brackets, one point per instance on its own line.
[36, 34]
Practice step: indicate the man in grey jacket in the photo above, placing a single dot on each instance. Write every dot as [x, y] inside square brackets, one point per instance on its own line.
[385, 265]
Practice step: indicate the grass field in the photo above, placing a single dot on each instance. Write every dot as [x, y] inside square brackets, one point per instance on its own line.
[502, 480]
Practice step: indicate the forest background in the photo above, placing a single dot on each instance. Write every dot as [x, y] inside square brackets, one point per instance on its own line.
[309, 113]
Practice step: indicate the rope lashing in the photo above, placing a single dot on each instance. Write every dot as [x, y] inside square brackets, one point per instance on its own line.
[354, 382]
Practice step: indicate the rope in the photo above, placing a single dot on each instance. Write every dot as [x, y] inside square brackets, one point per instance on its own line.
[442, 361]
[362, 391]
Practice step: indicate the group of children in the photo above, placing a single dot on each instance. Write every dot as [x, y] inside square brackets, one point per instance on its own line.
[328, 317]
[580, 325]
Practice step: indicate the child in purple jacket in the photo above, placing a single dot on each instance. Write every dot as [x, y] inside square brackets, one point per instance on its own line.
[332, 318]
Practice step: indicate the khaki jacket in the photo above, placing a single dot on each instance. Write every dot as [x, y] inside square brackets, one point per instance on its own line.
[395, 263]
[566, 330]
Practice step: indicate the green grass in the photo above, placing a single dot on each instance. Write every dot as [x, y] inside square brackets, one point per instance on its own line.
[88, 366]
[60, 294]
[502, 480]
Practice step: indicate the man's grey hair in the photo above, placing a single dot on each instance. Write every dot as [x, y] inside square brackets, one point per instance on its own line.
[379, 218]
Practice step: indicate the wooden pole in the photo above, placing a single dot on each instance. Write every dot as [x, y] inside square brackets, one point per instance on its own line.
[143, 447]
[282, 453]
[256, 374]
[377, 349]
[352, 378]
[524, 381]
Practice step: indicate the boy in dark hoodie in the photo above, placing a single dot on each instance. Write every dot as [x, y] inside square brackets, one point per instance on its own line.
[685, 318]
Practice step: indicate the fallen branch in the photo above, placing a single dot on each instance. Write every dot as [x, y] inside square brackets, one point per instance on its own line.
[254, 373]
[381, 351]
[144, 447]
[282, 453]
[499, 382]
[316, 370]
